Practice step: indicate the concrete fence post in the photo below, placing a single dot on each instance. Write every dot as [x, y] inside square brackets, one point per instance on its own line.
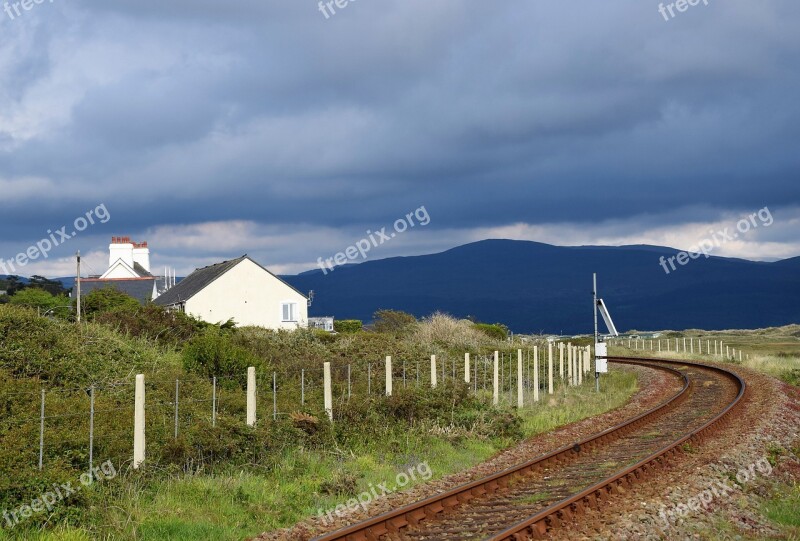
[561, 360]
[466, 368]
[496, 379]
[569, 364]
[578, 368]
[550, 368]
[328, 393]
[251, 396]
[388, 375]
[535, 373]
[520, 381]
[41, 431]
[138, 422]
[433, 371]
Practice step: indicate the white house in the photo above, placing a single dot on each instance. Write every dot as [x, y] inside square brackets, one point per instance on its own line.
[240, 289]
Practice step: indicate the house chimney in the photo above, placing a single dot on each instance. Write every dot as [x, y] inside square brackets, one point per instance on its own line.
[120, 248]
[141, 255]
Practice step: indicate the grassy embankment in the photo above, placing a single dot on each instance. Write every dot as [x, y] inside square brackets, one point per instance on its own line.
[228, 481]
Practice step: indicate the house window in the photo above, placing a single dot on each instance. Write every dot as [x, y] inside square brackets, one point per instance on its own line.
[289, 311]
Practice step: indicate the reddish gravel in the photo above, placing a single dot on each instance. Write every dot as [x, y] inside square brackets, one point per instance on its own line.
[655, 386]
[768, 421]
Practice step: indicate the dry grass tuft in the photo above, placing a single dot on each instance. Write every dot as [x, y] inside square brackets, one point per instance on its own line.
[447, 331]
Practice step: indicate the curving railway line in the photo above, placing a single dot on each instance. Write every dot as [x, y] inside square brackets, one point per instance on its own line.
[530, 499]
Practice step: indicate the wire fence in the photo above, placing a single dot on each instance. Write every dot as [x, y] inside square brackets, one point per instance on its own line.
[42, 427]
[690, 345]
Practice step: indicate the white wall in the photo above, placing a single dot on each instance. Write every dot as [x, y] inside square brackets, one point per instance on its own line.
[120, 251]
[142, 257]
[249, 295]
[119, 270]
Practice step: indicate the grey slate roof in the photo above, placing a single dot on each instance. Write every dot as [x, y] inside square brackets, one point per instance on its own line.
[195, 282]
[139, 289]
[200, 279]
[141, 271]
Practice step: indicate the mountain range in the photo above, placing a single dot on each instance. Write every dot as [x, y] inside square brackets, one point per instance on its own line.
[539, 288]
[536, 287]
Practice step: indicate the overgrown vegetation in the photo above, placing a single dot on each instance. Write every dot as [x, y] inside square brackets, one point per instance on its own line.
[348, 325]
[219, 478]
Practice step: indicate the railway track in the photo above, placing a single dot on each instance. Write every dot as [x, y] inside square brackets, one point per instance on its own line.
[530, 499]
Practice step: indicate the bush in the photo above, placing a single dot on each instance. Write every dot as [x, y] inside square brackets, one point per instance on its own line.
[153, 322]
[59, 353]
[348, 325]
[444, 330]
[213, 353]
[107, 299]
[393, 321]
[42, 300]
[498, 331]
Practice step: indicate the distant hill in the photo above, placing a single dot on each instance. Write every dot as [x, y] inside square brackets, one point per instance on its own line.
[535, 287]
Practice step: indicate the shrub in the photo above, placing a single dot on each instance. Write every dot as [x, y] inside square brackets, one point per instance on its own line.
[42, 300]
[393, 321]
[153, 322]
[213, 353]
[444, 330]
[348, 325]
[498, 331]
[60, 353]
[107, 299]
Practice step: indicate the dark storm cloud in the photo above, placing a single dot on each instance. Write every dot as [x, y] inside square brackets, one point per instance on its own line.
[185, 112]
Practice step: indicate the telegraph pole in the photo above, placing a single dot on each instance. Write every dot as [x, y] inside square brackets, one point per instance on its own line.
[78, 286]
[594, 296]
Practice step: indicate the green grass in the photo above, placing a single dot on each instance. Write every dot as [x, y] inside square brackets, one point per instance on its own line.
[774, 351]
[235, 504]
[785, 511]
[231, 482]
[568, 404]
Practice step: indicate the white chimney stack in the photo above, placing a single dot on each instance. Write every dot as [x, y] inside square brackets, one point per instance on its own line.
[120, 248]
[141, 255]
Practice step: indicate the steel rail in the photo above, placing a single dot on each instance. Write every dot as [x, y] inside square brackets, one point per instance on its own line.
[560, 512]
[414, 513]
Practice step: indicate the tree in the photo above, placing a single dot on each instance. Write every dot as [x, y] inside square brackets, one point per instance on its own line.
[107, 299]
[40, 299]
[393, 321]
[54, 287]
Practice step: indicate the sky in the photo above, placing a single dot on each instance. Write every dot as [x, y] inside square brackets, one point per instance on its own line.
[280, 130]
